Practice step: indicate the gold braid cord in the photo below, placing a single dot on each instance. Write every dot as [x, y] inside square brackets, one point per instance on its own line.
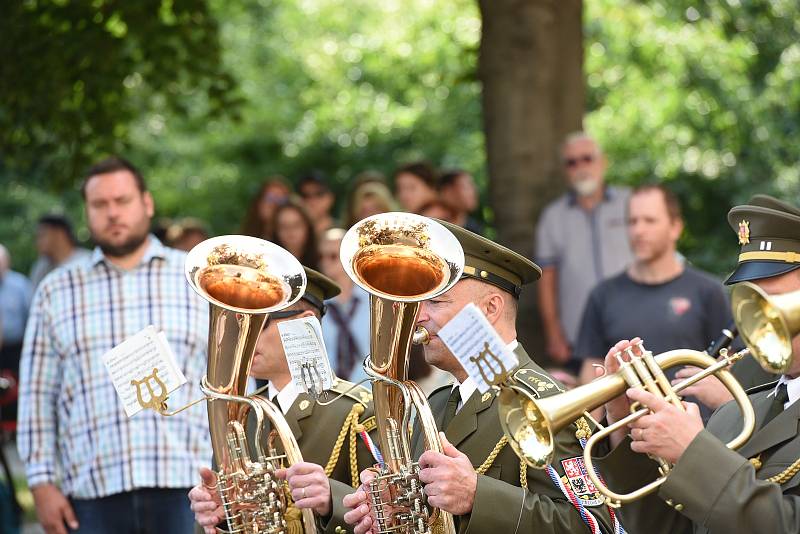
[787, 474]
[294, 520]
[349, 425]
[782, 477]
[355, 428]
[584, 430]
[523, 468]
[481, 470]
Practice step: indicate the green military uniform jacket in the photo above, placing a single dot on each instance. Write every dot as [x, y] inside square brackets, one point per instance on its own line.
[317, 429]
[719, 490]
[501, 504]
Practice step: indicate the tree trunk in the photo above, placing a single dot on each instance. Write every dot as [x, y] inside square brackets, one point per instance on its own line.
[531, 68]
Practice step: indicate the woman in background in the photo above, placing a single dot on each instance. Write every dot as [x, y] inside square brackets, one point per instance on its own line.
[258, 222]
[415, 185]
[295, 232]
[369, 198]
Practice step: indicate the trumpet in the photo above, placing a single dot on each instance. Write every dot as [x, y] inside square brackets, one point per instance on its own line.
[766, 323]
[400, 259]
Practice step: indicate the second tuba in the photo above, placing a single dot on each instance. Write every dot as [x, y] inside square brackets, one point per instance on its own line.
[244, 279]
[400, 259]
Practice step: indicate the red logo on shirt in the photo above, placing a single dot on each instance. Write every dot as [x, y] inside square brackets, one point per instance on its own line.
[680, 305]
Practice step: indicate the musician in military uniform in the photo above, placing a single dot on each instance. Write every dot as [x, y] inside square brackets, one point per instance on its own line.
[479, 478]
[328, 435]
[712, 488]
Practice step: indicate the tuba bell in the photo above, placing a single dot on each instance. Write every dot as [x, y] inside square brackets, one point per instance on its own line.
[766, 323]
[400, 259]
[244, 279]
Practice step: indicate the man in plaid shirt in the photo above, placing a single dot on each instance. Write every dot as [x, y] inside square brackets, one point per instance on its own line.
[90, 468]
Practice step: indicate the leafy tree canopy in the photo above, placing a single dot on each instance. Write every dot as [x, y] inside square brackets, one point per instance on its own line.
[218, 95]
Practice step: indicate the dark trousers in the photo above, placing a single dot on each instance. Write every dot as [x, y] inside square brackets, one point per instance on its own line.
[143, 511]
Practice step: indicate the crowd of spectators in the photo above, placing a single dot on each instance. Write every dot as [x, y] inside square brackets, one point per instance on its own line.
[609, 257]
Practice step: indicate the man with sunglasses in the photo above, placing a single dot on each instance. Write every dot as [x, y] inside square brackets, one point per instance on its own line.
[330, 469]
[580, 241]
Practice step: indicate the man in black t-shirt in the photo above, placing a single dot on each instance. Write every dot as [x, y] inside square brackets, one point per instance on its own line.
[659, 298]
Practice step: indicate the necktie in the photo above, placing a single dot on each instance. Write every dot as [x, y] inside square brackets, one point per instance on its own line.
[346, 347]
[452, 406]
[781, 398]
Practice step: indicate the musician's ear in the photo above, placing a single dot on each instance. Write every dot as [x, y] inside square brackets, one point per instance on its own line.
[493, 305]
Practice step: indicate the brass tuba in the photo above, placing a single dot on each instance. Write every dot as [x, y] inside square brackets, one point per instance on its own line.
[767, 324]
[244, 279]
[400, 259]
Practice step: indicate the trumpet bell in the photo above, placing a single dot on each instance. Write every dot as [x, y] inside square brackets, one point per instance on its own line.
[245, 274]
[767, 324]
[527, 428]
[402, 257]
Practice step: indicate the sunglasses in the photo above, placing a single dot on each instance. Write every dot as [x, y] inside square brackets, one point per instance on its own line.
[573, 162]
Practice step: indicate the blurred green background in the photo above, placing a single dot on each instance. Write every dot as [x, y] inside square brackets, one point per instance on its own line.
[209, 97]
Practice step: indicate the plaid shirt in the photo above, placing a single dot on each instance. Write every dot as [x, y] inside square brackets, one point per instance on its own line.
[72, 427]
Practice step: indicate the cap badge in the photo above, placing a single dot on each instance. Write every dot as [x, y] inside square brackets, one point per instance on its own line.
[744, 232]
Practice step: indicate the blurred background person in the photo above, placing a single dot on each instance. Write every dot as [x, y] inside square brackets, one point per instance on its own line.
[669, 304]
[260, 217]
[294, 231]
[185, 233]
[16, 293]
[318, 199]
[89, 466]
[369, 198]
[345, 326]
[438, 210]
[580, 241]
[56, 245]
[415, 185]
[458, 191]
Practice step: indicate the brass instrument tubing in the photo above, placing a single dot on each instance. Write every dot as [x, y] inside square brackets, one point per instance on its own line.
[643, 373]
[661, 379]
[403, 389]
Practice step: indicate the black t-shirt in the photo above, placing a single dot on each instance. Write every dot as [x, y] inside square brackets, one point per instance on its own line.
[687, 312]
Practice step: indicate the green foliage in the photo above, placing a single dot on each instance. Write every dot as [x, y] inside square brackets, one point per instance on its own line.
[74, 75]
[328, 86]
[703, 96]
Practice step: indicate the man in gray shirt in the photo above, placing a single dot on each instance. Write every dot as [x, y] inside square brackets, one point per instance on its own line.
[580, 241]
[659, 298]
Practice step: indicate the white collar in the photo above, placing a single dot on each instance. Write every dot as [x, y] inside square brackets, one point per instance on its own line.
[465, 391]
[792, 388]
[468, 387]
[286, 396]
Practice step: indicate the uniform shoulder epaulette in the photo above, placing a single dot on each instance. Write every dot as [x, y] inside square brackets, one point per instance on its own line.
[356, 392]
[540, 384]
[762, 387]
